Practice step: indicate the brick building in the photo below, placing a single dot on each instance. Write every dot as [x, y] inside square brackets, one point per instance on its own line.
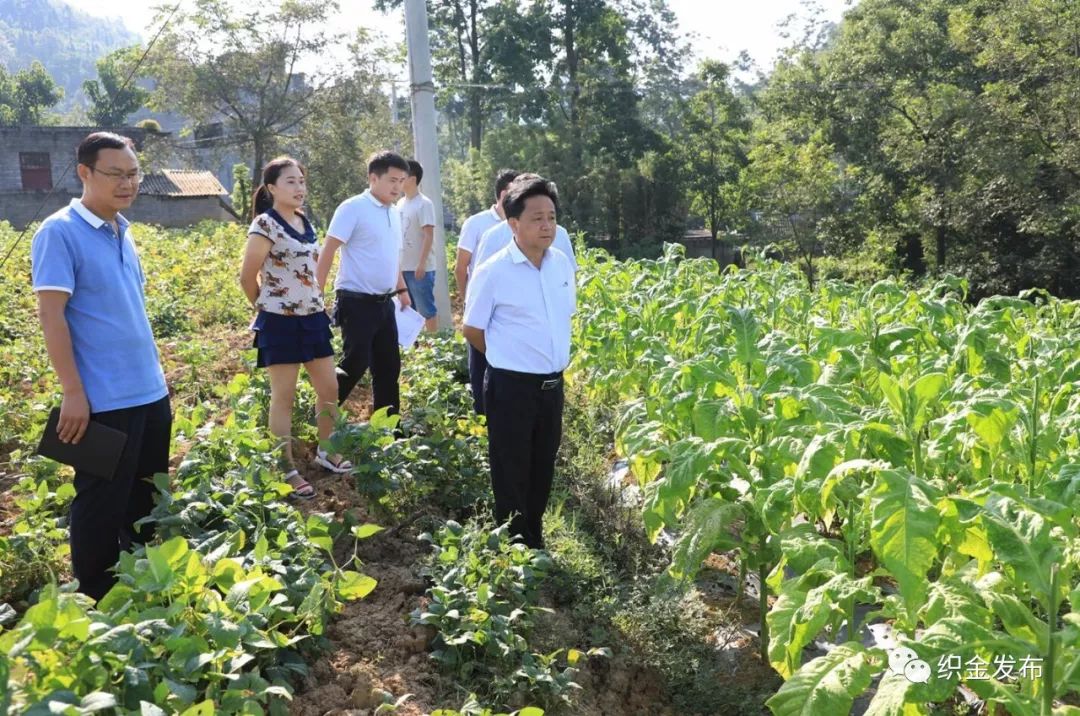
[37, 177]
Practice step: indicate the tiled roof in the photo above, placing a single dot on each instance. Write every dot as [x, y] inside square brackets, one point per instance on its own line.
[182, 182]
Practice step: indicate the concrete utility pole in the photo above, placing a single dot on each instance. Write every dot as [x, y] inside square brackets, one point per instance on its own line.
[425, 141]
[394, 114]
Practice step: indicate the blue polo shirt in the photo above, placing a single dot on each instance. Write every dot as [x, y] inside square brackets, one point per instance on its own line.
[77, 252]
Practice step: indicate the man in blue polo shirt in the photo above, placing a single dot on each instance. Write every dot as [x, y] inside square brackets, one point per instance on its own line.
[89, 285]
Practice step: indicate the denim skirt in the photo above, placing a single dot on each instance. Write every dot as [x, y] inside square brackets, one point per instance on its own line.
[291, 339]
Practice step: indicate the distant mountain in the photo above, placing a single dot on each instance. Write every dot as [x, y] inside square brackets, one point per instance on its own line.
[68, 42]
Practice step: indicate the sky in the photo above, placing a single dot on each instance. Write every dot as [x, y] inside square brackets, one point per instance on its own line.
[723, 27]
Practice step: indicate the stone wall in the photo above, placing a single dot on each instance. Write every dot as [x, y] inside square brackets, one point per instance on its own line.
[18, 208]
[177, 211]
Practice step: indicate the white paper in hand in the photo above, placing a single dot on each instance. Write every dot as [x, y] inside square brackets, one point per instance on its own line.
[409, 324]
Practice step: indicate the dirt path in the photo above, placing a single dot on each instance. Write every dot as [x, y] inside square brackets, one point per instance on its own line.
[375, 657]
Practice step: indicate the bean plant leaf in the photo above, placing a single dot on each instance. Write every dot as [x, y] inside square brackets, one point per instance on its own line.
[353, 585]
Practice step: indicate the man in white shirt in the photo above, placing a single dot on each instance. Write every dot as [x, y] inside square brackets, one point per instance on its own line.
[471, 231]
[517, 313]
[367, 229]
[417, 236]
[501, 235]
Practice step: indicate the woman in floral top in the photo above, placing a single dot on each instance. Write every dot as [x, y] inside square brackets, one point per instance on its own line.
[292, 327]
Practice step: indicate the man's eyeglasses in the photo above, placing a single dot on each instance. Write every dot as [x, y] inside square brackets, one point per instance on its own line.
[121, 177]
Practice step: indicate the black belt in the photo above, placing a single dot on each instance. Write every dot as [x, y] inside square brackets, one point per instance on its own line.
[369, 297]
[546, 381]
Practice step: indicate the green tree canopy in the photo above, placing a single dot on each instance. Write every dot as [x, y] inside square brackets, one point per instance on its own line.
[112, 97]
[218, 62]
[715, 135]
[26, 95]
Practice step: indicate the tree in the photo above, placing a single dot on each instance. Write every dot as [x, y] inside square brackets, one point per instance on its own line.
[479, 46]
[242, 192]
[715, 135]
[217, 62]
[955, 123]
[353, 121]
[112, 95]
[25, 95]
[595, 126]
[797, 186]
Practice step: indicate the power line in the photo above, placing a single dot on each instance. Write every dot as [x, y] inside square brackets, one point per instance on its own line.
[71, 163]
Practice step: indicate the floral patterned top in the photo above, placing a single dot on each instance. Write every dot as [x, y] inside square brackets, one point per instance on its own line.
[288, 283]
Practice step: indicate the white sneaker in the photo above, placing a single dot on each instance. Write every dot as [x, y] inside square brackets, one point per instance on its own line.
[323, 460]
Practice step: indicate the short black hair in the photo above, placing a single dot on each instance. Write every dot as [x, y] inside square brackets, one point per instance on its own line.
[381, 162]
[415, 170]
[503, 179]
[87, 153]
[524, 187]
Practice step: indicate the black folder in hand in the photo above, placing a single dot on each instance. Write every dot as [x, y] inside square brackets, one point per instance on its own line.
[97, 454]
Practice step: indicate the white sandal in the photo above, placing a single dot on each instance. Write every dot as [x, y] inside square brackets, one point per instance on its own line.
[303, 491]
[323, 460]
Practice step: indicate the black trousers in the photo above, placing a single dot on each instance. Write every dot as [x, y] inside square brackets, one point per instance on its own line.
[524, 431]
[104, 511]
[477, 367]
[370, 338]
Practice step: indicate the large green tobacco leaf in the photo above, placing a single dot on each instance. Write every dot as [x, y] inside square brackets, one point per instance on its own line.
[709, 527]
[1018, 619]
[894, 395]
[692, 462]
[890, 698]
[962, 638]
[903, 527]
[802, 610]
[911, 403]
[825, 686]
[744, 327]
[818, 460]
[992, 420]
[903, 530]
[1017, 703]
[1022, 539]
[1069, 679]
[926, 390]
[694, 465]
[952, 597]
[801, 548]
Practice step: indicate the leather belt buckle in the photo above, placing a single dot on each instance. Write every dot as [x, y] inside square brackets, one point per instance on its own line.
[550, 384]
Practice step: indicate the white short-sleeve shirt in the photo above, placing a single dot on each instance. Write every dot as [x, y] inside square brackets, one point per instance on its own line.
[501, 235]
[523, 310]
[371, 233]
[473, 228]
[416, 213]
